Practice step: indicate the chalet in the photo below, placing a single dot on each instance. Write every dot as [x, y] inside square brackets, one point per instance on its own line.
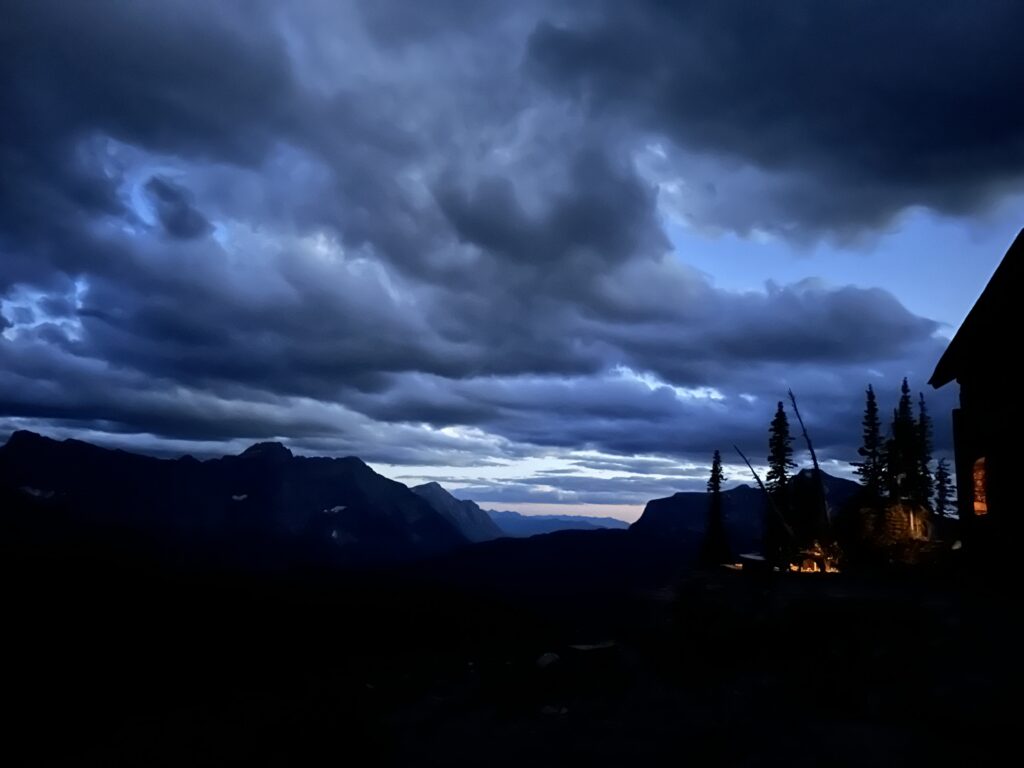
[984, 359]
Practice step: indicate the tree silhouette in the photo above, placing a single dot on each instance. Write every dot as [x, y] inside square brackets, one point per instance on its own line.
[943, 489]
[715, 549]
[780, 452]
[717, 476]
[923, 475]
[903, 450]
[871, 468]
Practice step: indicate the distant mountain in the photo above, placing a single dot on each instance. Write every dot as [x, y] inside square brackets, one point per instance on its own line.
[260, 504]
[838, 490]
[682, 517]
[471, 521]
[517, 525]
[266, 506]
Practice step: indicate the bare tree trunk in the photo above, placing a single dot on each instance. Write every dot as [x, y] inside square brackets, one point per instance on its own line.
[817, 469]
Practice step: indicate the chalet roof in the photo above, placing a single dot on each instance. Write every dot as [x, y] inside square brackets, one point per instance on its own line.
[988, 324]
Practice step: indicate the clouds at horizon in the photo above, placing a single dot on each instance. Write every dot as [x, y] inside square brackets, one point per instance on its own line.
[438, 237]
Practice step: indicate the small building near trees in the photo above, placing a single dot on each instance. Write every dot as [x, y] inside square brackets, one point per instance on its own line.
[985, 360]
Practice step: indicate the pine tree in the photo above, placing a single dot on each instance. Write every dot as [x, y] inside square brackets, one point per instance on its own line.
[924, 454]
[780, 453]
[943, 489]
[717, 476]
[871, 468]
[902, 449]
[715, 549]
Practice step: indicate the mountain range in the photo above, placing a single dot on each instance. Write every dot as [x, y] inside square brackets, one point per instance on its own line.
[260, 503]
[478, 524]
[268, 506]
[519, 525]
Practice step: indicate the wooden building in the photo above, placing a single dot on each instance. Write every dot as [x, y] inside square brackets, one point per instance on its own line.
[985, 359]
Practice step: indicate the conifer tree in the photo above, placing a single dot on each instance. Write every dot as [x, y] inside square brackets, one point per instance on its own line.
[943, 490]
[715, 549]
[923, 475]
[780, 453]
[902, 449]
[717, 475]
[871, 467]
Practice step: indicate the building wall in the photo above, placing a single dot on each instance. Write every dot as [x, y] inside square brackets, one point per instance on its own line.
[986, 427]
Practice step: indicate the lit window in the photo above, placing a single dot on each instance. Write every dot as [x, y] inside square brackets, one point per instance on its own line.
[980, 497]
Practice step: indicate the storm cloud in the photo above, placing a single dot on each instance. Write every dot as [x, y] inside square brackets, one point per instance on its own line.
[439, 235]
[840, 114]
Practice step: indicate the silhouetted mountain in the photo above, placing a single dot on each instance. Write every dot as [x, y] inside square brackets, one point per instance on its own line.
[838, 490]
[682, 517]
[264, 503]
[519, 525]
[471, 521]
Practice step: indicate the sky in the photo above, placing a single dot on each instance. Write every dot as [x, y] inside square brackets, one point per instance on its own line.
[551, 255]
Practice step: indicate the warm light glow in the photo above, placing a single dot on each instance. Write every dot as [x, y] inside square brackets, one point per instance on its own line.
[815, 560]
[980, 483]
[812, 566]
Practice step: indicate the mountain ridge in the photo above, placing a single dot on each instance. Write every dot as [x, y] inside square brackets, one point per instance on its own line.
[518, 525]
[683, 515]
[266, 501]
[332, 509]
[475, 524]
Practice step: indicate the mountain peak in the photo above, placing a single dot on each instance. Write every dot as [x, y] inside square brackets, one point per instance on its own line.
[264, 506]
[270, 450]
[465, 515]
[27, 437]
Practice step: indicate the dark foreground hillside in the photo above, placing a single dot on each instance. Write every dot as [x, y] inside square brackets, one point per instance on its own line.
[497, 656]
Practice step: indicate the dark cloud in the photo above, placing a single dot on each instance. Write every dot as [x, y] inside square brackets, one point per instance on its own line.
[855, 109]
[175, 210]
[74, 77]
[579, 489]
[438, 237]
[633, 464]
[604, 216]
